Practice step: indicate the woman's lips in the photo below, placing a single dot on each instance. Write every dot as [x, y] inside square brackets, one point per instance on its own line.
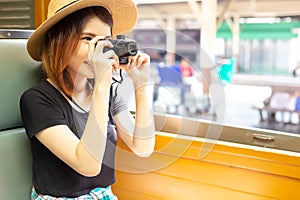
[87, 63]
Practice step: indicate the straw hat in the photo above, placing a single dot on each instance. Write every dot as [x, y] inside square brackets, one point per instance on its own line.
[124, 14]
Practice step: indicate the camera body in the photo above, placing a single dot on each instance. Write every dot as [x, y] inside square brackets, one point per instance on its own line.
[123, 47]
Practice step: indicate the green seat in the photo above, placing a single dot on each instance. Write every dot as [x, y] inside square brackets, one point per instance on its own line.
[17, 72]
[15, 165]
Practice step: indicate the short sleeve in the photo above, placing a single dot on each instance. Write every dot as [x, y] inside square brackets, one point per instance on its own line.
[119, 103]
[39, 112]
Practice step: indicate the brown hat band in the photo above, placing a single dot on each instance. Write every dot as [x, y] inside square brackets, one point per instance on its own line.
[66, 6]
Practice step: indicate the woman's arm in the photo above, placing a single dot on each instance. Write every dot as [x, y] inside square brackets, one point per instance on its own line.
[138, 133]
[85, 155]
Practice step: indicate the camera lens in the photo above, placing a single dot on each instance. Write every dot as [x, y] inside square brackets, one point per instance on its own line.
[132, 49]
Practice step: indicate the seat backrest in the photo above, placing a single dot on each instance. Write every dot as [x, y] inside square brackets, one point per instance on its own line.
[17, 73]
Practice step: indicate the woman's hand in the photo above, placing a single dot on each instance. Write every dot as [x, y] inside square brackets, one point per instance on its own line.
[138, 69]
[102, 63]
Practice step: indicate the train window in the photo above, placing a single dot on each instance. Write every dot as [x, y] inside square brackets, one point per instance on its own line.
[231, 106]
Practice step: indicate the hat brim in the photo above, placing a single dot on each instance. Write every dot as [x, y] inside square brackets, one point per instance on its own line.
[124, 14]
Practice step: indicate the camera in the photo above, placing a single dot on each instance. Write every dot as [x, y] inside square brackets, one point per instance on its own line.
[123, 47]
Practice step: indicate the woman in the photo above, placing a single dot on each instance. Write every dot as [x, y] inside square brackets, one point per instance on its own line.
[68, 117]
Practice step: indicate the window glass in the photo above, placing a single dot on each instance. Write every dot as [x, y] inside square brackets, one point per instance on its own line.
[16, 14]
[248, 83]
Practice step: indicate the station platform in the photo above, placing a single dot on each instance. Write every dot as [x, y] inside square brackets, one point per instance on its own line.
[247, 90]
[241, 96]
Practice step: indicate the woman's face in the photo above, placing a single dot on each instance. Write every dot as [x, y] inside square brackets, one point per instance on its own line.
[78, 65]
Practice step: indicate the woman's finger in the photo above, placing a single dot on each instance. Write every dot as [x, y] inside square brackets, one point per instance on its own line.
[140, 60]
[101, 44]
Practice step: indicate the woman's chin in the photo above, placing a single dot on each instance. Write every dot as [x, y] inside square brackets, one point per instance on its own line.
[90, 76]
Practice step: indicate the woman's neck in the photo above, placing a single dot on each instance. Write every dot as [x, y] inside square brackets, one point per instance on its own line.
[80, 95]
[79, 84]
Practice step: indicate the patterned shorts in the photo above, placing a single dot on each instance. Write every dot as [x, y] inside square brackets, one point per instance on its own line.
[95, 194]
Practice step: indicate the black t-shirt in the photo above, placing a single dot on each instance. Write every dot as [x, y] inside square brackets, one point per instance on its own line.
[43, 106]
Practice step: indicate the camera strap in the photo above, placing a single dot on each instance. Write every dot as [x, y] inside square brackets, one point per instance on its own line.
[121, 78]
[113, 94]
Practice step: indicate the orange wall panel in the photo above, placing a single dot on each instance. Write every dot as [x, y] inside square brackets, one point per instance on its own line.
[40, 11]
[228, 171]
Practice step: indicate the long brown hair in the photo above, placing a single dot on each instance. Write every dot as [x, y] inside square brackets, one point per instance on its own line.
[62, 41]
